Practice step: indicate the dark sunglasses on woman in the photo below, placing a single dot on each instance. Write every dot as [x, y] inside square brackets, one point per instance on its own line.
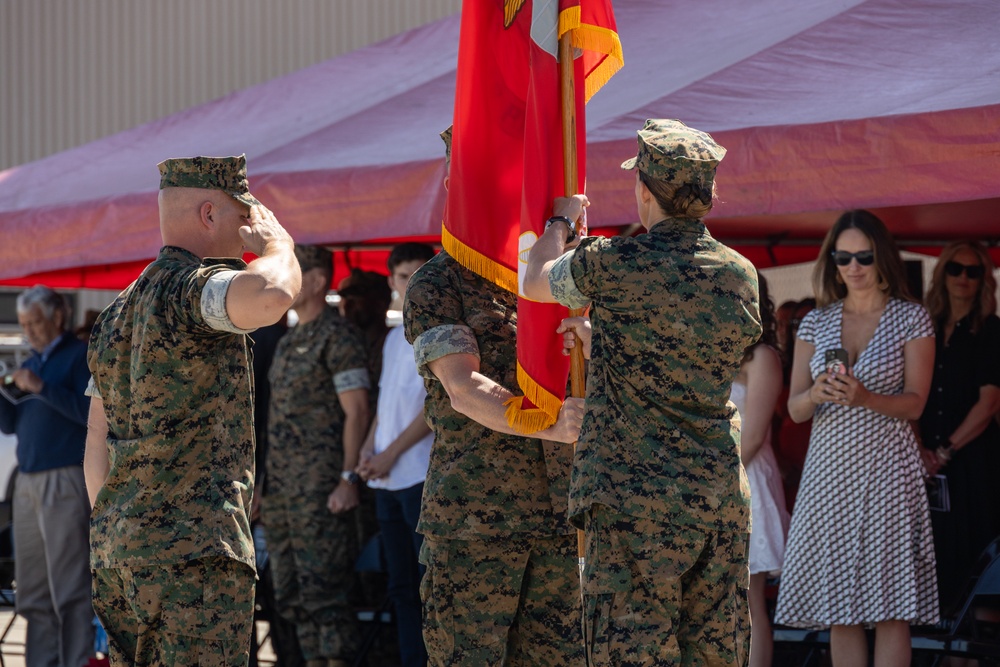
[955, 269]
[843, 258]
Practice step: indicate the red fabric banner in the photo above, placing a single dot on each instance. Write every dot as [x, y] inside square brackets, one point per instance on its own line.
[507, 164]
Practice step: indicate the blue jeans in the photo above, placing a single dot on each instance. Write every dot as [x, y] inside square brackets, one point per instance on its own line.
[397, 513]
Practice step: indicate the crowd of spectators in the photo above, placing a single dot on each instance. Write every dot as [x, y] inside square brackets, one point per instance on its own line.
[888, 460]
[884, 467]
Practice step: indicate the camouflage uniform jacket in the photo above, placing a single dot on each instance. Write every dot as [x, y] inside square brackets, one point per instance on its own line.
[312, 364]
[178, 397]
[480, 483]
[673, 311]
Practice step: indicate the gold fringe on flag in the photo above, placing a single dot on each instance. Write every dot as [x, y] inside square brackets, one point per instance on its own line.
[479, 263]
[526, 421]
[532, 420]
[597, 39]
[523, 420]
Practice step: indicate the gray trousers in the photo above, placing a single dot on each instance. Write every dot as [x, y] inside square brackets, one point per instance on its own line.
[52, 566]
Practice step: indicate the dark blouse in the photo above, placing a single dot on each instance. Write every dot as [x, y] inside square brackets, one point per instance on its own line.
[967, 362]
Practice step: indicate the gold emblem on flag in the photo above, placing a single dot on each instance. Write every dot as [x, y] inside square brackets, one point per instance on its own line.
[511, 8]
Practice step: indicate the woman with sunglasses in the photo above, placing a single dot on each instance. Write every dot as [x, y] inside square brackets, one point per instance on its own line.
[860, 549]
[960, 439]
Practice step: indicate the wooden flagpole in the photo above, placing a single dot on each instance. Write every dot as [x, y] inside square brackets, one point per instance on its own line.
[567, 85]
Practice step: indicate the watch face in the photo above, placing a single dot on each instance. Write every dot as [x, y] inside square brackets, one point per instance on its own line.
[350, 477]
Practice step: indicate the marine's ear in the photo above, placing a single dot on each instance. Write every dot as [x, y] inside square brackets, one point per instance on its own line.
[206, 214]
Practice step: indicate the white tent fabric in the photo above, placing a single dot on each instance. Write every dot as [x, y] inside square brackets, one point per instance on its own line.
[823, 104]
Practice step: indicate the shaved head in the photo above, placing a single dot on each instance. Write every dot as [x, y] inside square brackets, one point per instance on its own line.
[201, 220]
[186, 201]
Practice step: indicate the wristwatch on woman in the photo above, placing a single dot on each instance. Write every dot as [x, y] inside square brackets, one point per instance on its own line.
[571, 225]
[350, 477]
[945, 451]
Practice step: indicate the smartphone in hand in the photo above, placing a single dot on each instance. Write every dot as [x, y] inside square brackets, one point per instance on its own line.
[836, 361]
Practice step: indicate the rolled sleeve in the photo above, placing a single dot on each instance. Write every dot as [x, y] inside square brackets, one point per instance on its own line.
[354, 378]
[563, 286]
[213, 303]
[92, 391]
[441, 341]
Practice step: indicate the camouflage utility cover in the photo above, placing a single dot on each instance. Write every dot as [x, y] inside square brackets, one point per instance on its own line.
[228, 174]
[178, 397]
[671, 151]
[312, 364]
[480, 482]
[673, 311]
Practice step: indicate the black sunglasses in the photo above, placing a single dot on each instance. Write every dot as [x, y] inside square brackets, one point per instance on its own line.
[843, 258]
[955, 269]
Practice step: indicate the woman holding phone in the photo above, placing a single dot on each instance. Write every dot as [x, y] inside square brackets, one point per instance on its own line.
[860, 549]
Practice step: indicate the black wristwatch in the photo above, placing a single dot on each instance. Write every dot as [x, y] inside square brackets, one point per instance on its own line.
[350, 477]
[569, 224]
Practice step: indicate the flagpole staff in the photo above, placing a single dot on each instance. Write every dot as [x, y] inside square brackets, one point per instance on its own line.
[571, 186]
[567, 86]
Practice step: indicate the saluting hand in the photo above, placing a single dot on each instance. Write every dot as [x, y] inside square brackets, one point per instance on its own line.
[262, 231]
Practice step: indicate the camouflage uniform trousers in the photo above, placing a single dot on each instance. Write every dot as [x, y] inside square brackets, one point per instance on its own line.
[312, 561]
[661, 594]
[502, 601]
[198, 612]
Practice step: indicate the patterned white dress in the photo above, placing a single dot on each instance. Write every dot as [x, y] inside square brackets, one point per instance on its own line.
[860, 549]
[767, 501]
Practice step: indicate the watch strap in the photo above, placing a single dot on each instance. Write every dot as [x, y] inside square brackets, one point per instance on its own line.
[569, 224]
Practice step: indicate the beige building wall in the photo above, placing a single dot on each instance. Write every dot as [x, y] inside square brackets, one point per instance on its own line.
[72, 71]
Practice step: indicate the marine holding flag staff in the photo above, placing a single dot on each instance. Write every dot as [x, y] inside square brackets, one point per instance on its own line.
[501, 586]
[657, 480]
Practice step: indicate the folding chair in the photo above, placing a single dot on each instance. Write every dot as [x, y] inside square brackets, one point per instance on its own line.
[280, 633]
[7, 596]
[974, 632]
[372, 559]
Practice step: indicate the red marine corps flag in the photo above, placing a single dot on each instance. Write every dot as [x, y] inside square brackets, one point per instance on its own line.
[507, 160]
